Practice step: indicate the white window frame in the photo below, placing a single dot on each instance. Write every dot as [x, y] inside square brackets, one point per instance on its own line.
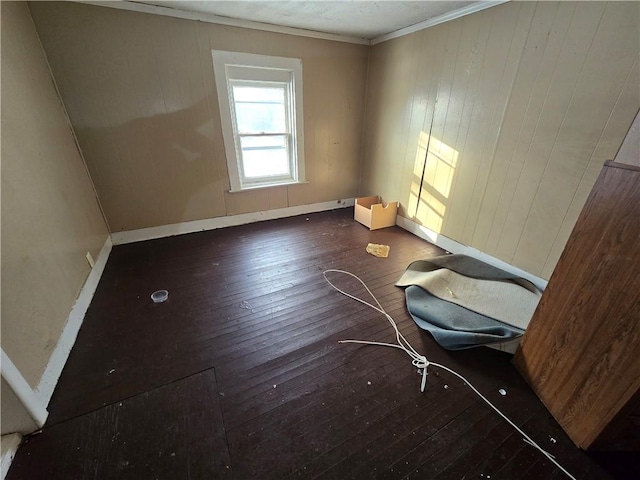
[235, 67]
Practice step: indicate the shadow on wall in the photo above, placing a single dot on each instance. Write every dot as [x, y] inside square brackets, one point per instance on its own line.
[157, 170]
[433, 175]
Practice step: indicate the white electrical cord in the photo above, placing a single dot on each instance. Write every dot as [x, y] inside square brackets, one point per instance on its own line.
[421, 361]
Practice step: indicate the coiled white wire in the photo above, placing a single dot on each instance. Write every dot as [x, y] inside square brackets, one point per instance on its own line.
[420, 361]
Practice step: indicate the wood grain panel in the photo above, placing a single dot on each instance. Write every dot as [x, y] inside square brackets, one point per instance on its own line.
[142, 100]
[579, 352]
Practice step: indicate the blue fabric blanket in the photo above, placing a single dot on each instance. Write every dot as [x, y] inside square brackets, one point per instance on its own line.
[453, 326]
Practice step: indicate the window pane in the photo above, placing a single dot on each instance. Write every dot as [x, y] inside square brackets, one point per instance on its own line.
[265, 156]
[260, 118]
[260, 109]
[258, 94]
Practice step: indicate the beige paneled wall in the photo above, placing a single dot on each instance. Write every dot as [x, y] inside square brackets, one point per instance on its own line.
[14, 417]
[518, 106]
[50, 216]
[629, 152]
[141, 94]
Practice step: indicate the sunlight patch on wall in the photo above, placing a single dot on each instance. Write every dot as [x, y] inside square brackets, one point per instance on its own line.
[439, 173]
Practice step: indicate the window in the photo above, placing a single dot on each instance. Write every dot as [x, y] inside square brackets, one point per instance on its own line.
[260, 101]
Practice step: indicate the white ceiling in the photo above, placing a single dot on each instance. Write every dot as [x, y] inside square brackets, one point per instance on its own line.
[354, 18]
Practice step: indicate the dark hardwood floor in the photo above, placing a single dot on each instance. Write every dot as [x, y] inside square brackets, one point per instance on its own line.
[239, 374]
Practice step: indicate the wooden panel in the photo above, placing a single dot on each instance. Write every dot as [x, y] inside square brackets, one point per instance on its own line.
[580, 350]
[439, 165]
[470, 128]
[602, 78]
[520, 104]
[390, 113]
[556, 84]
[175, 431]
[500, 85]
[531, 85]
[142, 100]
[606, 148]
[425, 91]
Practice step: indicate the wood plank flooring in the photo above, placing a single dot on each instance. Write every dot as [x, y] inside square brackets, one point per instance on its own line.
[239, 374]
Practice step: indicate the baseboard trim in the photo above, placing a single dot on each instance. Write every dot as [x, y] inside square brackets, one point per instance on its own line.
[10, 444]
[130, 236]
[456, 247]
[25, 394]
[60, 354]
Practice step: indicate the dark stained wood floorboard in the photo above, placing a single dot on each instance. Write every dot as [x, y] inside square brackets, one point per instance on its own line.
[240, 374]
[180, 354]
[175, 431]
[366, 454]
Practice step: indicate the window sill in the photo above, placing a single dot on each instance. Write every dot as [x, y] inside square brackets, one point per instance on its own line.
[268, 185]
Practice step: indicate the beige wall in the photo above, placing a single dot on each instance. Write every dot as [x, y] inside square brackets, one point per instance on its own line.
[13, 416]
[532, 98]
[141, 95]
[629, 152]
[50, 216]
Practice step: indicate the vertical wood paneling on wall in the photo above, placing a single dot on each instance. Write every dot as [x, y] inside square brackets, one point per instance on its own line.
[341, 173]
[610, 140]
[602, 78]
[424, 87]
[434, 193]
[484, 103]
[470, 129]
[548, 41]
[142, 97]
[319, 128]
[383, 162]
[517, 123]
[558, 96]
[106, 133]
[455, 125]
[511, 33]
[522, 103]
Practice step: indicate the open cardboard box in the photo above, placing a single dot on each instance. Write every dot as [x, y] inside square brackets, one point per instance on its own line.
[372, 212]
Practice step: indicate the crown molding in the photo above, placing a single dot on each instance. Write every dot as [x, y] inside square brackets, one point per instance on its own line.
[476, 7]
[216, 19]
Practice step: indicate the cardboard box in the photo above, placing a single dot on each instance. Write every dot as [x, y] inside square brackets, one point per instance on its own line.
[372, 212]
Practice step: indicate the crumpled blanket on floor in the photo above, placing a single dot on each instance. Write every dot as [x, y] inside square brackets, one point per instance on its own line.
[466, 303]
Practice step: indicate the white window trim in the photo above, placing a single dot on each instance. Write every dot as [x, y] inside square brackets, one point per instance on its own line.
[222, 60]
